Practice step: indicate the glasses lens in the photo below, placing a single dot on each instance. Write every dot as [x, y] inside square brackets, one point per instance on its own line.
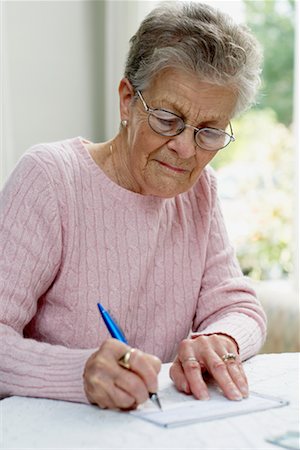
[165, 123]
[212, 139]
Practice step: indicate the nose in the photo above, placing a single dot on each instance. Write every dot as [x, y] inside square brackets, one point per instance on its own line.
[183, 144]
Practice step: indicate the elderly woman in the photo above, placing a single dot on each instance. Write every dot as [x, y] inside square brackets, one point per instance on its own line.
[135, 223]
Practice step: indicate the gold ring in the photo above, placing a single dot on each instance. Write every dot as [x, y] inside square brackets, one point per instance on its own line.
[190, 358]
[124, 361]
[229, 356]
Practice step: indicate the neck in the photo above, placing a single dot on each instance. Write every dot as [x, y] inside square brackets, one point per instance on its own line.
[120, 169]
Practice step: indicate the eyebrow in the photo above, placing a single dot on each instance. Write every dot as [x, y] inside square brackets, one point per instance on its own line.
[175, 108]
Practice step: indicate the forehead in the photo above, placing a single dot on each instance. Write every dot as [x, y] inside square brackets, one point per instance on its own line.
[190, 97]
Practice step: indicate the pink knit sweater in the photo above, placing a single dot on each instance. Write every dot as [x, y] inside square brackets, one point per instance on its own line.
[70, 237]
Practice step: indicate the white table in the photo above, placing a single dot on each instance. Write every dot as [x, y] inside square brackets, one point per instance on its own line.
[39, 423]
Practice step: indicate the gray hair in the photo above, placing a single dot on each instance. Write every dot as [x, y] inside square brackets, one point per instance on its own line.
[201, 40]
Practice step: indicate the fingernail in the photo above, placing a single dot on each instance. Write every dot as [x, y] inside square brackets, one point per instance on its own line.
[236, 395]
[205, 396]
[244, 391]
[184, 387]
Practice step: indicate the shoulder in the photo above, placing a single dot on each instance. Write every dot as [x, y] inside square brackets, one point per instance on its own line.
[43, 169]
[52, 163]
[60, 154]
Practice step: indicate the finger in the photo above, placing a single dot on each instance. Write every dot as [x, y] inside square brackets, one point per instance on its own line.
[192, 370]
[133, 385]
[236, 371]
[100, 399]
[97, 393]
[106, 394]
[100, 372]
[146, 367]
[193, 374]
[110, 385]
[219, 370]
[215, 345]
[122, 399]
[132, 380]
[178, 377]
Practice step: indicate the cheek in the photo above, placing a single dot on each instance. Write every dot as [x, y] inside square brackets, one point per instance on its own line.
[204, 158]
[146, 143]
[137, 132]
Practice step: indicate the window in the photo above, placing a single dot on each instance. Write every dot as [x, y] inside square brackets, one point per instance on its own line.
[257, 173]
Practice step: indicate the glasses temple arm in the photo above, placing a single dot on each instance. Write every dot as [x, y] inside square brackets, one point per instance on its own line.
[142, 100]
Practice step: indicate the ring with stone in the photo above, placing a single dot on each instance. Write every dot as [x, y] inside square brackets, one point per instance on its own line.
[229, 357]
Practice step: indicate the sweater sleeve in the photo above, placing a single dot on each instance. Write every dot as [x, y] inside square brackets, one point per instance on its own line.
[227, 303]
[31, 247]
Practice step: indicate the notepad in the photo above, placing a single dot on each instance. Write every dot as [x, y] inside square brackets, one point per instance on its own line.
[180, 409]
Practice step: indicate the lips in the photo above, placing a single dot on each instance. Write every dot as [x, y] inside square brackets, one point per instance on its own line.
[171, 167]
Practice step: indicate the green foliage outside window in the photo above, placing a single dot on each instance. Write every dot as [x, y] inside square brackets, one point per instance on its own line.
[272, 21]
[255, 182]
[256, 172]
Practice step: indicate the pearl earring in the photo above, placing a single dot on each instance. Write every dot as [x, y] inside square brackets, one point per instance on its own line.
[124, 123]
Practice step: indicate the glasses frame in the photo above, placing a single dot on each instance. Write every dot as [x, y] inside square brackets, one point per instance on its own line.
[186, 125]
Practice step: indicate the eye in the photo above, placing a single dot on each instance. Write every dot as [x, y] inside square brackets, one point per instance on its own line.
[208, 133]
[165, 122]
[211, 135]
[212, 138]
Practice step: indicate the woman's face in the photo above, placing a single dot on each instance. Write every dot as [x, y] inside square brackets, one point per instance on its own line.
[167, 166]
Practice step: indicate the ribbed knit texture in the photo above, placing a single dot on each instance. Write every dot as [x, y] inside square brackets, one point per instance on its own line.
[70, 237]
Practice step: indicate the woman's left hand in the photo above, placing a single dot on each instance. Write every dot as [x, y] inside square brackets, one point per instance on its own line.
[204, 353]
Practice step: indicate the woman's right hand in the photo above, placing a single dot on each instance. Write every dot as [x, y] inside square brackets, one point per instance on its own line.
[109, 385]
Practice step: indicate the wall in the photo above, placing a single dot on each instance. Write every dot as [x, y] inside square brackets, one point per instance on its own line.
[52, 81]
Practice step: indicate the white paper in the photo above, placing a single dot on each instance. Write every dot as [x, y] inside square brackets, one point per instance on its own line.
[180, 409]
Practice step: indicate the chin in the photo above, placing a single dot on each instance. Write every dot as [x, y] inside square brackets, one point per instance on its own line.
[166, 192]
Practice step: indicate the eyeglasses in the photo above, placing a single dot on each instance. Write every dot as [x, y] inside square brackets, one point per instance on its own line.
[167, 123]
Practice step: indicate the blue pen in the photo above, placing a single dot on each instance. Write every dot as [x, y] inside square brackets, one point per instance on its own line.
[116, 333]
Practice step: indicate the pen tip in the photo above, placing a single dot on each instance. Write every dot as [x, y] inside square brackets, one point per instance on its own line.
[155, 399]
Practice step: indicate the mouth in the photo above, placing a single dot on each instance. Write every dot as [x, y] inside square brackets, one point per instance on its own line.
[173, 168]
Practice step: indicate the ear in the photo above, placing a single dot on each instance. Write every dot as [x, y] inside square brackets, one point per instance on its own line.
[126, 94]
